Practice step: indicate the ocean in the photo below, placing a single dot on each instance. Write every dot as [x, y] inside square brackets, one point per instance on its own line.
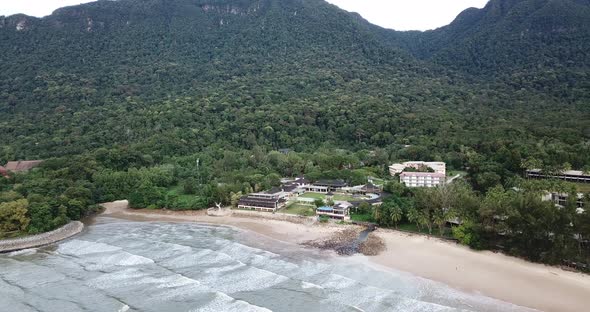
[121, 266]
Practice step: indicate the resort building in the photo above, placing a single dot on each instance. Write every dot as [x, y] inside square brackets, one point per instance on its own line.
[340, 211]
[575, 176]
[267, 202]
[368, 188]
[437, 166]
[560, 199]
[422, 179]
[301, 181]
[22, 165]
[291, 190]
[3, 172]
[325, 186]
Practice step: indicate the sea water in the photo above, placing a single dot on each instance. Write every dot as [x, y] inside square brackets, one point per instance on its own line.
[133, 266]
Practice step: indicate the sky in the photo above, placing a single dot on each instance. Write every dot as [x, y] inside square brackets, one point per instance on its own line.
[394, 14]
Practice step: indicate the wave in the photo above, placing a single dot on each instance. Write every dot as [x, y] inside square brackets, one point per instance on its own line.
[23, 252]
[78, 247]
[223, 302]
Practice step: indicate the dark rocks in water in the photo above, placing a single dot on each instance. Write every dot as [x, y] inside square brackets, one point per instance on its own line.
[351, 241]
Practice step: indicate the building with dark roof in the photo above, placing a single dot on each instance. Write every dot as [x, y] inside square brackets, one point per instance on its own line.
[575, 176]
[262, 202]
[326, 186]
[301, 181]
[340, 211]
[368, 188]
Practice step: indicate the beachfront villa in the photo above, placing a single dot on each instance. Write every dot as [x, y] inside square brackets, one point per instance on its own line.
[422, 179]
[266, 202]
[437, 166]
[340, 211]
[326, 186]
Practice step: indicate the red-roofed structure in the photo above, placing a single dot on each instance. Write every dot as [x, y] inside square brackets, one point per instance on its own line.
[3, 172]
[22, 165]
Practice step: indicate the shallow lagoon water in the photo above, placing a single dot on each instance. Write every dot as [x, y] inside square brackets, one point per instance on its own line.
[135, 266]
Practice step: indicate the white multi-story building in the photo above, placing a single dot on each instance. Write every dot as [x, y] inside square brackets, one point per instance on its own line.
[422, 179]
[437, 166]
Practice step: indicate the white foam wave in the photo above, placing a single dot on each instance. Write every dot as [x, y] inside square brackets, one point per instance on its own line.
[306, 285]
[249, 279]
[223, 302]
[78, 247]
[24, 252]
[124, 308]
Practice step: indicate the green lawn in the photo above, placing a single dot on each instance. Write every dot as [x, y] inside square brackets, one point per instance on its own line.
[313, 195]
[362, 217]
[299, 209]
[583, 187]
[378, 181]
[345, 197]
[178, 191]
[452, 173]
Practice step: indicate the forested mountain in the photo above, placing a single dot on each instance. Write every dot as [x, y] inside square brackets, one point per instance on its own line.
[183, 104]
[543, 44]
[176, 76]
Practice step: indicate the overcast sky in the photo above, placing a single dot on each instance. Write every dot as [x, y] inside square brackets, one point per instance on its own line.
[395, 14]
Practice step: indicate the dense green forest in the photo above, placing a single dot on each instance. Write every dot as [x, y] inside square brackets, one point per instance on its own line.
[183, 103]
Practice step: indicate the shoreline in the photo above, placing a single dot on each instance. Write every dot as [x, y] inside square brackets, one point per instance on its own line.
[43, 239]
[486, 273]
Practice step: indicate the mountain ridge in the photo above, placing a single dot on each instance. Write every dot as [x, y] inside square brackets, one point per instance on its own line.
[153, 71]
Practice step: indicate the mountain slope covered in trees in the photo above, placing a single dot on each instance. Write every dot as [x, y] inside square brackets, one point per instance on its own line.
[183, 103]
[537, 44]
[181, 75]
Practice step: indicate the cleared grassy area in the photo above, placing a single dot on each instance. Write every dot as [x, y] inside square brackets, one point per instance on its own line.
[362, 217]
[323, 196]
[346, 197]
[583, 187]
[378, 181]
[178, 191]
[313, 195]
[452, 173]
[300, 210]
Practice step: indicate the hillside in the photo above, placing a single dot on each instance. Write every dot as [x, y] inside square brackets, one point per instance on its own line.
[184, 104]
[179, 76]
[543, 41]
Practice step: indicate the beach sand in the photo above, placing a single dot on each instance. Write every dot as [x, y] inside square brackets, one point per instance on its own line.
[491, 274]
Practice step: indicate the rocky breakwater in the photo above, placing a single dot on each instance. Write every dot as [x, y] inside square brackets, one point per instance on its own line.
[43, 239]
[351, 241]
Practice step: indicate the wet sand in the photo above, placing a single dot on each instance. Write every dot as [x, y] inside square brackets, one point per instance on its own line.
[490, 274]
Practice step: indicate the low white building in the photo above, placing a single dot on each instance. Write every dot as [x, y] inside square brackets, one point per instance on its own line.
[560, 199]
[437, 166]
[422, 179]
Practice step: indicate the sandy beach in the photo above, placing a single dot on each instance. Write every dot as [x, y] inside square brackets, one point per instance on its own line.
[491, 274]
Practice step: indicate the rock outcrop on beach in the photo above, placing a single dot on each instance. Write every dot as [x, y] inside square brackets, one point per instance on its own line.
[348, 242]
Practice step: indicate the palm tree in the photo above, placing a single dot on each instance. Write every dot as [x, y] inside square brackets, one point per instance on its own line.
[377, 214]
[396, 214]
